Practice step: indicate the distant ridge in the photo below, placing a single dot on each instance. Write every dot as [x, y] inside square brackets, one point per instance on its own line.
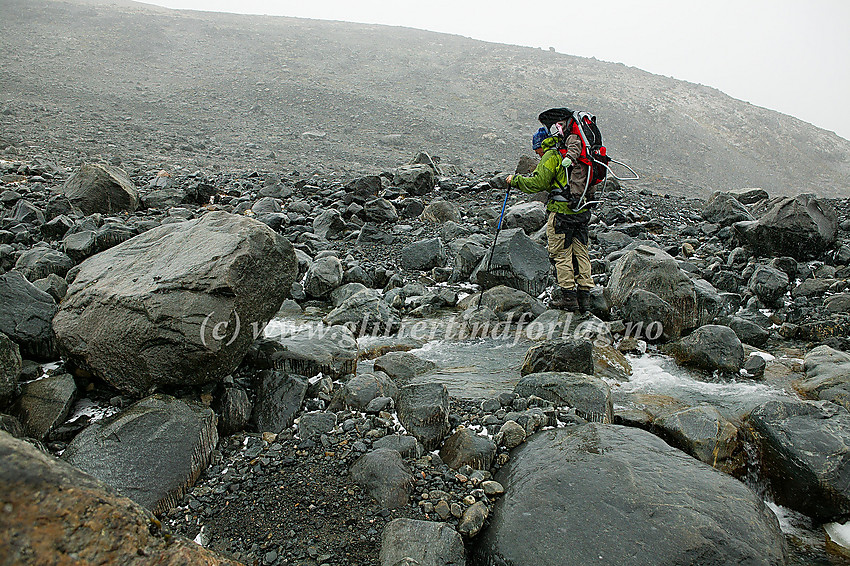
[115, 78]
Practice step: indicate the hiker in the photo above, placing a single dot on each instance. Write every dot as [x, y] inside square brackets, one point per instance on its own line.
[566, 229]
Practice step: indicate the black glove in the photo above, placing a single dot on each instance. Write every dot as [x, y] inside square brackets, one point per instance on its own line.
[499, 182]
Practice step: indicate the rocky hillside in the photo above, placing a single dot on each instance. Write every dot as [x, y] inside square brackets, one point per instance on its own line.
[140, 85]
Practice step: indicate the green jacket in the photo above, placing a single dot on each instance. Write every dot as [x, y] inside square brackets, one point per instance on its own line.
[545, 175]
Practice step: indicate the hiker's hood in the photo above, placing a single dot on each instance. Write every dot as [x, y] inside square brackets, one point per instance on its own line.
[549, 143]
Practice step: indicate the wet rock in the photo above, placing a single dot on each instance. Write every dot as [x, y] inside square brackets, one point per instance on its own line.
[233, 410]
[517, 262]
[152, 452]
[314, 424]
[423, 410]
[173, 295]
[467, 255]
[331, 350]
[509, 303]
[10, 368]
[838, 303]
[827, 376]
[101, 188]
[384, 475]
[725, 209]
[768, 284]
[664, 506]
[804, 449]
[441, 212]
[711, 347]
[53, 285]
[53, 512]
[560, 355]
[402, 443]
[45, 404]
[466, 448]
[403, 366]
[473, 519]
[802, 227]
[748, 332]
[323, 276]
[427, 543]
[361, 389]
[705, 434]
[610, 363]
[709, 301]
[555, 323]
[655, 271]
[510, 435]
[279, 398]
[365, 313]
[417, 179]
[41, 261]
[423, 255]
[590, 396]
[26, 314]
[655, 318]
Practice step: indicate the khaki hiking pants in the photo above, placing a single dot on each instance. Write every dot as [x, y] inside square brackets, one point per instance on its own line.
[564, 255]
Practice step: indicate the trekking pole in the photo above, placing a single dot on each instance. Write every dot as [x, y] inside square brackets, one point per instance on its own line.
[495, 238]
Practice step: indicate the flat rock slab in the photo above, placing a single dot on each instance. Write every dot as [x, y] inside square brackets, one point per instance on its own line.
[330, 350]
[152, 452]
[56, 514]
[605, 494]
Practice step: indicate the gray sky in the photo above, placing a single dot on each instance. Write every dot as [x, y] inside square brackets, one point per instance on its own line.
[779, 54]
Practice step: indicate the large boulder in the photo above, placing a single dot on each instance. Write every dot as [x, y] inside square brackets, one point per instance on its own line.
[384, 475]
[605, 494]
[279, 398]
[402, 367]
[330, 350]
[41, 261]
[426, 543]
[655, 271]
[589, 396]
[467, 255]
[705, 434]
[26, 313]
[530, 216]
[804, 449]
[361, 389]
[423, 255]
[329, 225]
[56, 514]
[323, 276]
[101, 188]
[562, 355]
[466, 448]
[152, 452]
[179, 304]
[646, 311]
[379, 210]
[711, 347]
[769, 284]
[365, 312]
[802, 227]
[725, 209]
[517, 261]
[827, 376]
[415, 179]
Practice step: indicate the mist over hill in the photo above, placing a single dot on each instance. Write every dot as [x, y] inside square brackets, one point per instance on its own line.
[154, 87]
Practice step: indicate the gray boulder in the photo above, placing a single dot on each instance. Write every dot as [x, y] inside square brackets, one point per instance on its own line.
[802, 227]
[625, 495]
[379, 210]
[467, 255]
[709, 301]
[365, 313]
[705, 434]
[748, 331]
[10, 368]
[415, 179]
[365, 187]
[804, 449]
[101, 188]
[749, 195]
[314, 424]
[41, 261]
[329, 225]
[361, 389]
[427, 543]
[516, 262]
[233, 410]
[423, 410]
[384, 475]
[323, 276]
[725, 209]
[711, 347]
[466, 448]
[423, 255]
[827, 376]
[330, 350]
[53, 285]
[648, 310]
[403, 366]
[507, 302]
[152, 452]
[179, 304]
[25, 316]
[560, 355]
[79, 244]
[655, 271]
[441, 212]
[590, 396]
[279, 398]
[768, 284]
[529, 216]
[45, 404]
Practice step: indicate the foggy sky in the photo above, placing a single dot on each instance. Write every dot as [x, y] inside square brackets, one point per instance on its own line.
[777, 54]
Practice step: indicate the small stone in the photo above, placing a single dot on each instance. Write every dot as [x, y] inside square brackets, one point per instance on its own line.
[473, 520]
[457, 510]
[469, 500]
[492, 488]
[443, 510]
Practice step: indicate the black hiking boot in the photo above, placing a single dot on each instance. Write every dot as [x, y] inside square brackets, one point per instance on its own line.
[583, 297]
[564, 299]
